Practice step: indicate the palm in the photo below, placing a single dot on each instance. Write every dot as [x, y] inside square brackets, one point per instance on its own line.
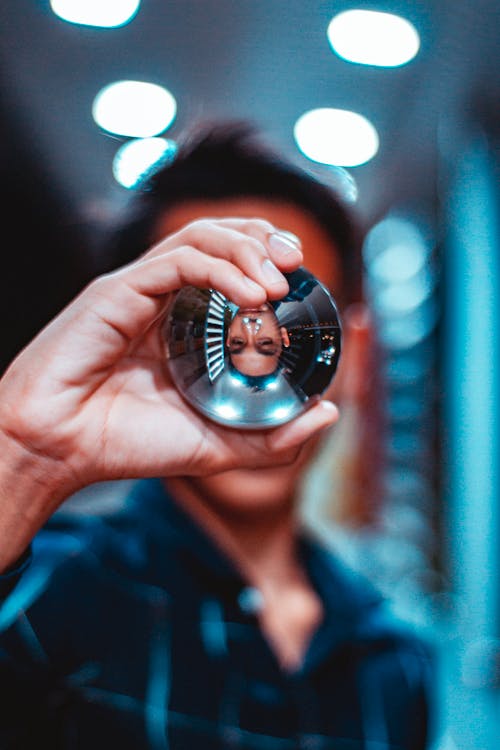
[91, 398]
[140, 424]
[93, 391]
[135, 423]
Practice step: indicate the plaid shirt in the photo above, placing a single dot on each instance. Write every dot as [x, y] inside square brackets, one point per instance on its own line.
[135, 631]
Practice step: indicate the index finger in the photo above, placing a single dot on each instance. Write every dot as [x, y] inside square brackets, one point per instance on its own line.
[255, 246]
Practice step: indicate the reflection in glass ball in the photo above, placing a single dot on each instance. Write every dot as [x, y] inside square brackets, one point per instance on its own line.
[253, 367]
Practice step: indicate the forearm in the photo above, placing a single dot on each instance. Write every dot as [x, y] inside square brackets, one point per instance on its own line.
[31, 488]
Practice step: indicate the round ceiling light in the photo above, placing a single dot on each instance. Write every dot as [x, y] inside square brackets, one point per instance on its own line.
[109, 14]
[336, 136]
[134, 108]
[369, 37]
[395, 250]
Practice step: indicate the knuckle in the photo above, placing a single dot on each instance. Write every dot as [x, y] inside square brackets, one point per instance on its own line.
[184, 254]
[100, 284]
[249, 246]
[199, 227]
[99, 293]
[262, 225]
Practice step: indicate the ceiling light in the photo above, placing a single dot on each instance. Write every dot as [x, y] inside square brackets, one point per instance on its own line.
[407, 331]
[134, 108]
[136, 158]
[336, 136]
[105, 13]
[401, 298]
[395, 250]
[373, 38]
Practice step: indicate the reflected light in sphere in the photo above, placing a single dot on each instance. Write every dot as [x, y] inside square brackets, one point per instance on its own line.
[137, 157]
[134, 108]
[226, 411]
[336, 136]
[369, 37]
[104, 13]
[281, 412]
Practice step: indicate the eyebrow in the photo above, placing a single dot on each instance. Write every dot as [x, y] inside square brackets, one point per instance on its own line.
[261, 348]
[266, 347]
[238, 347]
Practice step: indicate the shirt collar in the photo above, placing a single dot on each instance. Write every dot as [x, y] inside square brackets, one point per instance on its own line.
[181, 557]
[345, 595]
[176, 542]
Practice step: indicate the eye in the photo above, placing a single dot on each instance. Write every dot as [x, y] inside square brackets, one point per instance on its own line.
[236, 345]
[267, 346]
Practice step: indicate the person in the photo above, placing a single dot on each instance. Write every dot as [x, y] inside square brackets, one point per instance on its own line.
[255, 340]
[200, 615]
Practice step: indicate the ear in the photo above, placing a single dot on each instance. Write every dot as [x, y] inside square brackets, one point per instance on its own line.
[356, 361]
[285, 338]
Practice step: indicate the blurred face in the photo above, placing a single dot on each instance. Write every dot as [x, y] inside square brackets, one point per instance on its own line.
[243, 492]
[255, 341]
[320, 257]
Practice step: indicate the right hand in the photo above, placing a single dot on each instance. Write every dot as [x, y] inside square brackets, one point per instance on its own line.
[91, 399]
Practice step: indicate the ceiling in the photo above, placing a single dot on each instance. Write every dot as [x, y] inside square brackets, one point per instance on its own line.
[266, 60]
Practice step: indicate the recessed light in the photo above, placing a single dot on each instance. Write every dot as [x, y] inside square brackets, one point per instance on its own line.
[336, 136]
[395, 250]
[104, 13]
[134, 108]
[369, 37]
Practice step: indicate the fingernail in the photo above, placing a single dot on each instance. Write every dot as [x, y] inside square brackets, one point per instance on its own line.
[271, 273]
[329, 406]
[284, 242]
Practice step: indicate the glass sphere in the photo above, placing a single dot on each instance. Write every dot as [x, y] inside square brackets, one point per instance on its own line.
[256, 367]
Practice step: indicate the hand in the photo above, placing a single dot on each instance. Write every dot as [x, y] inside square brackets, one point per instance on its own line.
[91, 399]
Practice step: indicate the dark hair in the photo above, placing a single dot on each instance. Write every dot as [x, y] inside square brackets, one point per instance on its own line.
[228, 160]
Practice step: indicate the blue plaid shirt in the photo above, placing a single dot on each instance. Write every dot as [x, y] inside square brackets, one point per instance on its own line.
[135, 631]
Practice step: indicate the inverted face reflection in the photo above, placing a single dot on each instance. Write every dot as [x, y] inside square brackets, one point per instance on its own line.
[255, 341]
[253, 367]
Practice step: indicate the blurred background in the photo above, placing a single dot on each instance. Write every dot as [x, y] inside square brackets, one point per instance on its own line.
[401, 116]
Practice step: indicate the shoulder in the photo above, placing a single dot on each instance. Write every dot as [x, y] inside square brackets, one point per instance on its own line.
[84, 602]
[361, 611]
[83, 555]
[392, 660]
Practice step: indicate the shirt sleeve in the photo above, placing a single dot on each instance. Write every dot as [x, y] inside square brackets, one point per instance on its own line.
[29, 679]
[10, 577]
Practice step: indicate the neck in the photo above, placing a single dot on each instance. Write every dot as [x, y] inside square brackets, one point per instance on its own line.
[262, 545]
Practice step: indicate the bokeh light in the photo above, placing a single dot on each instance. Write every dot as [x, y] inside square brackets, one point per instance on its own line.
[369, 37]
[136, 158]
[134, 108]
[336, 136]
[395, 250]
[103, 13]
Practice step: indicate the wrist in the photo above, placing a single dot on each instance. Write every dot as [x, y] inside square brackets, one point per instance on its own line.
[31, 488]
